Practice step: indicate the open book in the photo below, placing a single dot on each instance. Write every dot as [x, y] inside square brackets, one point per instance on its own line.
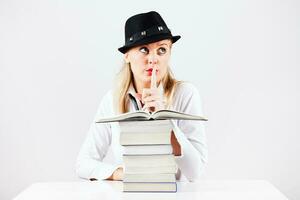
[145, 116]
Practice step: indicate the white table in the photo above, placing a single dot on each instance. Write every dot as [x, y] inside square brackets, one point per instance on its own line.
[103, 190]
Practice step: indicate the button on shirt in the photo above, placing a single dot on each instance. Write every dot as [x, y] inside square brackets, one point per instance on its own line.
[104, 137]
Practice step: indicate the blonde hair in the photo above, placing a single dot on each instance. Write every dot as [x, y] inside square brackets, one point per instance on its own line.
[125, 77]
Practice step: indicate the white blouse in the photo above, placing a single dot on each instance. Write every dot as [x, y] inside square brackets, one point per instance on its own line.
[190, 135]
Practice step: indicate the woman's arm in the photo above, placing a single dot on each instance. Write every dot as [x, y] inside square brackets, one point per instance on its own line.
[190, 134]
[89, 163]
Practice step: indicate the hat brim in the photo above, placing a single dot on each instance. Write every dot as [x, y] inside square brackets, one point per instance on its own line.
[148, 40]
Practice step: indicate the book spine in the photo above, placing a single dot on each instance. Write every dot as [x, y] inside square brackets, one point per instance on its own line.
[149, 160]
[145, 139]
[150, 170]
[152, 178]
[148, 149]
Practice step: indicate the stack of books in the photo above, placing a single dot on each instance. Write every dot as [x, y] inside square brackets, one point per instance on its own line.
[149, 165]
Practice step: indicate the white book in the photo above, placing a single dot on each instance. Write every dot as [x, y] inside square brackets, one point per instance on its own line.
[144, 116]
[151, 126]
[150, 164]
[167, 169]
[145, 138]
[149, 178]
[149, 187]
[148, 149]
[149, 160]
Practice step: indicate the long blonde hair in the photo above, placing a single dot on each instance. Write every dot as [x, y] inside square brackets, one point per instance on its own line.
[125, 77]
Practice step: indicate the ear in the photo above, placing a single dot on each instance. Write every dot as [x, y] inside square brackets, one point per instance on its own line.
[126, 57]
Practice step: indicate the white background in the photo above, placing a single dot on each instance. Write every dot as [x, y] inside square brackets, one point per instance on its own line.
[58, 58]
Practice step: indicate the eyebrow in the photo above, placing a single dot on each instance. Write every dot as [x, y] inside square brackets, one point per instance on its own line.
[158, 44]
[162, 44]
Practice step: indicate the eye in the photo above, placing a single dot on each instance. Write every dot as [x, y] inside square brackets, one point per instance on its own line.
[144, 50]
[162, 50]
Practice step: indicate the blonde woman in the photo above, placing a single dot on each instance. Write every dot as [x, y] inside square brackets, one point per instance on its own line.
[147, 51]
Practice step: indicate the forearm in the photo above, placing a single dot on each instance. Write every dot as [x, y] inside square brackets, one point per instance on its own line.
[89, 168]
[193, 154]
[191, 162]
[175, 145]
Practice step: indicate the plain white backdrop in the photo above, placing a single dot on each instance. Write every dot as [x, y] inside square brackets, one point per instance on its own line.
[58, 58]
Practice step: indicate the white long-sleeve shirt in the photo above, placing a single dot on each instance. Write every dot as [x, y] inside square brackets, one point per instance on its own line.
[190, 135]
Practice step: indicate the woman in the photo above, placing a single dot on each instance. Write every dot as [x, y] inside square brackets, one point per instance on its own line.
[147, 51]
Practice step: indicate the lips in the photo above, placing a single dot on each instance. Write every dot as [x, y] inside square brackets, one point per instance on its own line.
[150, 70]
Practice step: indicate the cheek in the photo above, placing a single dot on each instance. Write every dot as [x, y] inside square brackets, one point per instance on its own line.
[164, 65]
[135, 70]
[162, 71]
[165, 59]
[137, 62]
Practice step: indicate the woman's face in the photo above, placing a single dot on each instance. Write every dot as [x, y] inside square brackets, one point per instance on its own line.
[144, 58]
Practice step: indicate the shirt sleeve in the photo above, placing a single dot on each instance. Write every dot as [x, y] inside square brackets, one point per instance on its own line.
[89, 161]
[190, 134]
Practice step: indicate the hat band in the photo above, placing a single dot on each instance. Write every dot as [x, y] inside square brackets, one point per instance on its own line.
[155, 30]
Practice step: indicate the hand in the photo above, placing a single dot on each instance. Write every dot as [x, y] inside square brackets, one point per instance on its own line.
[175, 145]
[152, 99]
[118, 175]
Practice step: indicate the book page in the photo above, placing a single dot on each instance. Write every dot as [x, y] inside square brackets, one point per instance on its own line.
[171, 114]
[131, 116]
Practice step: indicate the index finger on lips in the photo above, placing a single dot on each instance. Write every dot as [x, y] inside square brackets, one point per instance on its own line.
[153, 78]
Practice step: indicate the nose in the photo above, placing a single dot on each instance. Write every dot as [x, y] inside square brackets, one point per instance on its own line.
[152, 59]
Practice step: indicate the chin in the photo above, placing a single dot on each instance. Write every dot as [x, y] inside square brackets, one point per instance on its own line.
[147, 80]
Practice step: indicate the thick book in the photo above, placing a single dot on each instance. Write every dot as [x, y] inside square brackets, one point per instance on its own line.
[145, 138]
[166, 169]
[149, 160]
[149, 187]
[144, 116]
[151, 126]
[145, 132]
[151, 178]
[147, 164]
[148, 149]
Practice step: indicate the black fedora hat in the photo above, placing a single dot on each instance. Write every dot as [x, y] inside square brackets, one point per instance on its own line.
[145, 28]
